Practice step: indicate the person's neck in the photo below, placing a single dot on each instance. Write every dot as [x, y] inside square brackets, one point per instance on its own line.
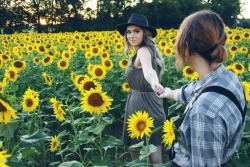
[202, 67]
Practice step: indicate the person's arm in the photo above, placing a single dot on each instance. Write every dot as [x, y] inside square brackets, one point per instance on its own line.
[149, 73]
[170, 94]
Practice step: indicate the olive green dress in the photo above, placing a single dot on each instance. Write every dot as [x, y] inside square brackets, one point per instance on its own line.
[143, 98]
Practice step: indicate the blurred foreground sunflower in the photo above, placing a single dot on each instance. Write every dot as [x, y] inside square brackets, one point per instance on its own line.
[168, 129]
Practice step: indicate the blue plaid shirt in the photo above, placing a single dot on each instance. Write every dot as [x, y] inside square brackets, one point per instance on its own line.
[212, 128]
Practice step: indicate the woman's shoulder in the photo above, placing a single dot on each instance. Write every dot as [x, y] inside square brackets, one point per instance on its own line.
[144, 50]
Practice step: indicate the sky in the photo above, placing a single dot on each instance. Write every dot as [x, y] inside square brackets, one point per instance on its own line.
[245, 8]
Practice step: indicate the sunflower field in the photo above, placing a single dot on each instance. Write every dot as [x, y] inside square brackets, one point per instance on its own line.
[62, 96]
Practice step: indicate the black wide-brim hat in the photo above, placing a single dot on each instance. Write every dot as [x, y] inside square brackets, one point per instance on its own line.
[138, 20]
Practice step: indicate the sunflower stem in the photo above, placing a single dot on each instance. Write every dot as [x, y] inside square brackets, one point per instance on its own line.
[75, 134]
[147, 150]
[100, 138]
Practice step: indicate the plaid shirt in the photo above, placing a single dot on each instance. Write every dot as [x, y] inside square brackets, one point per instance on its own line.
[212, 128]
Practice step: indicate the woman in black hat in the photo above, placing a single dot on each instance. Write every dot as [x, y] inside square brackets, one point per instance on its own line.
[143, 75]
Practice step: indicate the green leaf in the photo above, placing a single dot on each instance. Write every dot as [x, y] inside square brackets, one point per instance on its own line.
[7, 130]
[35, 137]
[71, 164]
[143, 152]
[112, 141]
[136, 146]
[97, 129]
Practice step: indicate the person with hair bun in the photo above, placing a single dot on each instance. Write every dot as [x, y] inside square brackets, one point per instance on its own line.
[212, 124]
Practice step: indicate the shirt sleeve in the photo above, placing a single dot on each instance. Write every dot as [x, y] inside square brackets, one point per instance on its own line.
[186, 93]
[207, 139]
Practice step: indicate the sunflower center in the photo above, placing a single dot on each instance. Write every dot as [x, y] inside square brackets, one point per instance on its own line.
[124, 62]
[54, 144]
[95, 99]
[29, 102]
[95, 50]
[189, 71]
[107, 63]
[47, 59]
[63, 63]
[41, 48]
[234, 48]
[2, 108]
[104, 55]
[141, 125]
[18, 64]
[48, 78]
[89, 85]
[12, 74]
[238, 67]
[66, 55]
[98, 72]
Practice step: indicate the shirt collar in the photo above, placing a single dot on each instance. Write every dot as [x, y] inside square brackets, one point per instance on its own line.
[209, 79]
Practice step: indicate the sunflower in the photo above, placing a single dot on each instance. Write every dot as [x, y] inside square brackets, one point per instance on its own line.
[36, 60]
[90, 67]
[232, 69]
[162, 44]
[71, 49]
[88, 84]
[41, 49]
[79, 79]
[2, 86]
[95, 101]
[66, 55]
[240, 69]
[246, 86]
[168, 129]
[119, 47]
[98, 72]
[233, 49]
[187, 72]
[47, 78]
[88, 55]
[29, 48]
[47, 61]
[30, 100]
[125, 87]
[63, 64]
[168, 51]
[95, 50]
[108, 64]
[54, 144]
[6, 111]
[105, 55]
[12, 74]
[19, 65]
[246, 35]
[58, 110]
[139, 124]
[3, 157]
[123, 63]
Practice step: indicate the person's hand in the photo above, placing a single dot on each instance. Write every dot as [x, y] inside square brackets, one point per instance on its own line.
[158, 89]
[165, 93]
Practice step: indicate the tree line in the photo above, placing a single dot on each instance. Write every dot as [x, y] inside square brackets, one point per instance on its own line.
[76, 15]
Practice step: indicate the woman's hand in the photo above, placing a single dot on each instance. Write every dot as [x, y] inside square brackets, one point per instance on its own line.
[164, 93]
[158, 89]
